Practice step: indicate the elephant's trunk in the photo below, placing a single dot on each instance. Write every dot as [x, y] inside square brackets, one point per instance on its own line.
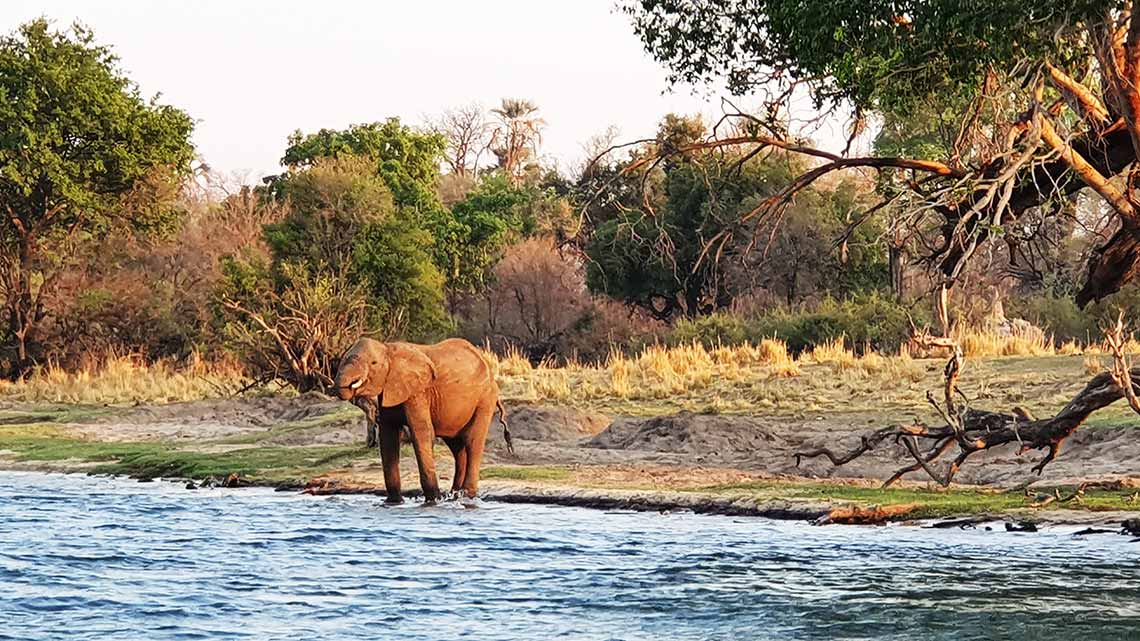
[349, 378]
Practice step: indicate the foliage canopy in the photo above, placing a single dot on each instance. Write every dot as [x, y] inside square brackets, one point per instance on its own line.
[81, 154]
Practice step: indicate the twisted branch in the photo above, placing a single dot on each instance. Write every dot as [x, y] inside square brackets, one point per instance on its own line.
[977, 430]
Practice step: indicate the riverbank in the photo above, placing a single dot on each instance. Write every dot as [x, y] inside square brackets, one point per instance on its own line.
[573, 455]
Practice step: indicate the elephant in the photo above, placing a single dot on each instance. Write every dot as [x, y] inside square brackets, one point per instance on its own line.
[445, 390]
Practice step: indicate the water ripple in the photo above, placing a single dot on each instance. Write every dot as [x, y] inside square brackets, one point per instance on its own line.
[95, 558]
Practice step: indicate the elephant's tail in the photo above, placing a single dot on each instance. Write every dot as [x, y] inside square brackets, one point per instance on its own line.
[506, 430]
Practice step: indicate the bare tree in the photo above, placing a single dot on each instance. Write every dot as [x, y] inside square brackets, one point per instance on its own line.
[468, 134]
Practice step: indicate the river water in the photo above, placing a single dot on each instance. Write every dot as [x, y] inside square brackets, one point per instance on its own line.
[100, 558]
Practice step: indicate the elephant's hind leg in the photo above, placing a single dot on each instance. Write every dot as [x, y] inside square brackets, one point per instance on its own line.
[459, 451]
[476, 437]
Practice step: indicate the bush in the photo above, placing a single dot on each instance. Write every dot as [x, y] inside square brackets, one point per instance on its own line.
[538, 304]
[873, 321]
[712, 330]
[1060, 317]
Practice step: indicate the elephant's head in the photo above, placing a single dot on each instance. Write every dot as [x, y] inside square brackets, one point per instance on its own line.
[392, 372]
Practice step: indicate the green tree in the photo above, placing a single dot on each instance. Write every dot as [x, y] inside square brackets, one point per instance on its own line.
[344, 220]
[82, 155]
[345, 260]
[813, 257]
[496, 213]
[472, 239]
[408, 160]
[878, 54]
[1050, 88]
[669, 259]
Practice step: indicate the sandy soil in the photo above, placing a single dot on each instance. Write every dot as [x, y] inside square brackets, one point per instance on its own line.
[684, 444]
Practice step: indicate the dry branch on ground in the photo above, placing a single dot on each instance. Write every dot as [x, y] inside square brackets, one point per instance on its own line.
[968, 431]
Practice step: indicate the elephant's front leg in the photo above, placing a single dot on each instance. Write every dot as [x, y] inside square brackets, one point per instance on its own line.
[390, 458]
[423, 437]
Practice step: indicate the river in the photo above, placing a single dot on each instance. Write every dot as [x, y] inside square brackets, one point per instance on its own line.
[100, 558]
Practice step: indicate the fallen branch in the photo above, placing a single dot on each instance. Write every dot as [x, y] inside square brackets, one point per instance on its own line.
[974, 430]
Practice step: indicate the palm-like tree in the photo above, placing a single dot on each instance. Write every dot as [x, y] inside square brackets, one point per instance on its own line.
[517, 136]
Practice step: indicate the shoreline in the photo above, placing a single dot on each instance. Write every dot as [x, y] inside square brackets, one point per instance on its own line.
[700, 463]
[661, 501]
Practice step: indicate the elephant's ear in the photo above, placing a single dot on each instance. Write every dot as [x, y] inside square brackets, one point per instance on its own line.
[409, 373]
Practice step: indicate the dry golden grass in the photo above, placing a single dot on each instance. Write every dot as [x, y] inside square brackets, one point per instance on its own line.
[835, 352]
[124, 379]
[1093, 365]
[980, 344]
[733, 379]
[512, 363]
[765, 378]
[1070, 348]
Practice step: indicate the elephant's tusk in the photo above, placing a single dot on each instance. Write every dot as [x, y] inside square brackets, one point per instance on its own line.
[358, 383]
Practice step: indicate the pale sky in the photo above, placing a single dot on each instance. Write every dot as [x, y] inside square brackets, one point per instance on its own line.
[252, 71]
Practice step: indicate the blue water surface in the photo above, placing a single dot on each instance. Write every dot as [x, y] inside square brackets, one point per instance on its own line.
[101, 558]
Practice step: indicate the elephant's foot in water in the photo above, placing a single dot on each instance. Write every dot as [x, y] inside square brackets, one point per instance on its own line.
[459, 496]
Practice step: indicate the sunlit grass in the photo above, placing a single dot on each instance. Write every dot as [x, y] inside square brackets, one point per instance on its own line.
[767, 378]
[746, 378]
[123, 379]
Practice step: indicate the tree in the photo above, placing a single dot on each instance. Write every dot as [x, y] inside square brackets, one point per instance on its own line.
[82, 155]
[538, 298]
[516, 138]
[1053, 96]
[291, 325]
[344, 221]
[472, 239]
[1040, 125]
[496, 213]
[344, 261]
[152, 296]
[468, 134]
[803, 258]
[407, 160]
[666, 252]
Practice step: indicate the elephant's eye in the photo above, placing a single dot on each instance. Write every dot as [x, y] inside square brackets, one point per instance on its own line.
[373, 362]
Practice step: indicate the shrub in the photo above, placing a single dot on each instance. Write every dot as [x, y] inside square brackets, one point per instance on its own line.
[538, 304]
[294, 333]
[1057, 315]
[711, 331]
[872, 321]
[1060, 317]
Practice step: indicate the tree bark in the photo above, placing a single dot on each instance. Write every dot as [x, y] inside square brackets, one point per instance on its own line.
[1112, 265]
[896, 257]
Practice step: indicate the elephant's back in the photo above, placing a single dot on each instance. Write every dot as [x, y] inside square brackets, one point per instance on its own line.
[457, 361]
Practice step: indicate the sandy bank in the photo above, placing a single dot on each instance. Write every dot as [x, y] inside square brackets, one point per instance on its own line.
[706, 463]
